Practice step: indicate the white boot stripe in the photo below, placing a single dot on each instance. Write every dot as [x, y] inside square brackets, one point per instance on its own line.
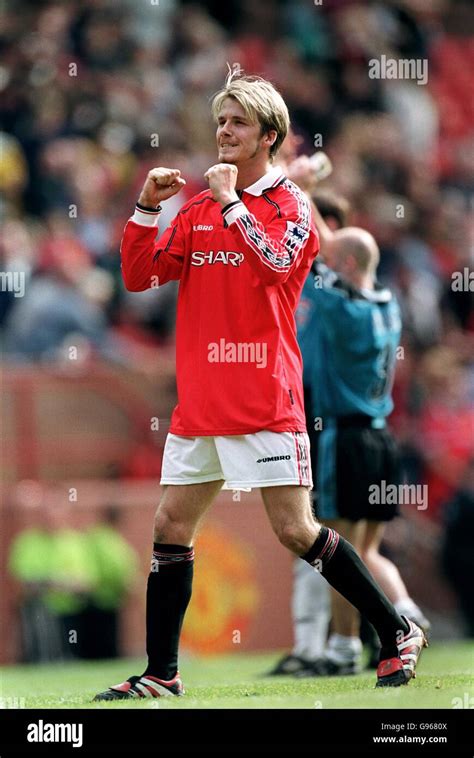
[142, 689]
[160, 691]
[414, 641]
[153, 686]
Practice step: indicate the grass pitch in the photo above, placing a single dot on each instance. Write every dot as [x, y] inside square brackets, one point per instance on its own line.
[445, 680]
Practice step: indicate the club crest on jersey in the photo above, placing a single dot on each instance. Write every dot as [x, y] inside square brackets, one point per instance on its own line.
[199, 258]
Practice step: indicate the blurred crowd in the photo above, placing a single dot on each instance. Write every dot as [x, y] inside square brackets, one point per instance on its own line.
[96, 92]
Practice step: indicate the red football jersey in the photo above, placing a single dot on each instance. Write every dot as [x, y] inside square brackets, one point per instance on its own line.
[241, 270]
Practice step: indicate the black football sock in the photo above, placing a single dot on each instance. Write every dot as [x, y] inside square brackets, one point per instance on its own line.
[341, 566]
[167, 597]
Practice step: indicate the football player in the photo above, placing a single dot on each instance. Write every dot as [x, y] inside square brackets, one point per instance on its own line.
[240, 416]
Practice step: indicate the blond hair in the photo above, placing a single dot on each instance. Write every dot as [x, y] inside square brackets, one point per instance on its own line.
[262, 104]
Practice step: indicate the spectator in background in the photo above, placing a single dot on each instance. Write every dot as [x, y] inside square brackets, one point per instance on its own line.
[64, 302]
[116, 566]
[72, 577]
[28, 563]
[52, 562]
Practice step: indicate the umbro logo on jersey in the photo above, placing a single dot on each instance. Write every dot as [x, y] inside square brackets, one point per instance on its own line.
[275, 458]
[202, 228]
[199, 258]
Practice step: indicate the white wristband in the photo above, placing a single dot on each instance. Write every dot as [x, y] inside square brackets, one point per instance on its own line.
[233, 213]
[145, 218]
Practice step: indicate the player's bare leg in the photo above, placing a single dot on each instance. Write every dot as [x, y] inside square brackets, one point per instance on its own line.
[384, 570]
[387, 574]
[289, 511]
[181, 511]
[178, 517]
[290, 514]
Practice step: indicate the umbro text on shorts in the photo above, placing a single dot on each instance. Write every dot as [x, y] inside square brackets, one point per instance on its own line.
[262, 459]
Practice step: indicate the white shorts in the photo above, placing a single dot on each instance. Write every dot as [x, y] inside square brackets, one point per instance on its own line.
[263, 459]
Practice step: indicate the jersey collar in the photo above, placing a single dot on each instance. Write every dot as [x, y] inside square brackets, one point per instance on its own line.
[266, 182]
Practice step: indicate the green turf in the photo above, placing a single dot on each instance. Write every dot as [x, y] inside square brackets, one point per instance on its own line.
[234, 681]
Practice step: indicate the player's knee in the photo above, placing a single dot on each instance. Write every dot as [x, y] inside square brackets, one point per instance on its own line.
[170, 529]
[295, 538]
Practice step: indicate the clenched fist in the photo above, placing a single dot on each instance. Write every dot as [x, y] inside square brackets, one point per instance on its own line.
[308, 172]
[222, 179]
[160, 184]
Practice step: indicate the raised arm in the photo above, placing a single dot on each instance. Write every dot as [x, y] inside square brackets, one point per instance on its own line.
[302, 172]
[147, 263]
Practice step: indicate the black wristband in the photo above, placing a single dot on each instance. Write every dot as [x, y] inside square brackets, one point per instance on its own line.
[150, 210]
[229, 205]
